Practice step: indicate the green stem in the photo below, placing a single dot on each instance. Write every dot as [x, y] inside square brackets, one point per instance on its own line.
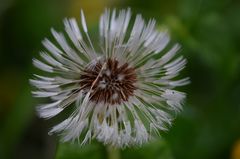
[113, 152]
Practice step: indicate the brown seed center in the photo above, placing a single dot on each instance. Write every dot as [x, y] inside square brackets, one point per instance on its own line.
[112, 84]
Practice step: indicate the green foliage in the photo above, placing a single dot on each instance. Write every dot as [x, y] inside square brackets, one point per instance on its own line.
[75, 151]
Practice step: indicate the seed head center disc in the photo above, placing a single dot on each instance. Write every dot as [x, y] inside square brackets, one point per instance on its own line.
[112, 84]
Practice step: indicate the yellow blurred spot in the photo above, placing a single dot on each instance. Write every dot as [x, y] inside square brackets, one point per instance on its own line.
[92, 9]
[236, 151]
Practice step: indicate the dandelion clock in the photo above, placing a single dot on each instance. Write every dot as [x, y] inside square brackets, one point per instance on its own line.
[121, 89]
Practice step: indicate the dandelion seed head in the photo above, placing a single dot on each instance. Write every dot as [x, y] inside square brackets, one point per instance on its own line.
[122, 94]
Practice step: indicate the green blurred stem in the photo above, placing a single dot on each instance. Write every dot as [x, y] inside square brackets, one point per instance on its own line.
[113, 152]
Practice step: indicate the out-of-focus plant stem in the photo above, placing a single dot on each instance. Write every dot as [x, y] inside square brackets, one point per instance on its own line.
[113, 152]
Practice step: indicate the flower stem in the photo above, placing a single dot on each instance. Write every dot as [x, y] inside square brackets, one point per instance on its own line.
[113, 152]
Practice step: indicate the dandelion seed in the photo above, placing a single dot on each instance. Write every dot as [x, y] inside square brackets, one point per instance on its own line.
[123, 94]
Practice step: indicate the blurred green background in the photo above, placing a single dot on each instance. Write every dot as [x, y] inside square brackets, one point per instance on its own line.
[209, 31]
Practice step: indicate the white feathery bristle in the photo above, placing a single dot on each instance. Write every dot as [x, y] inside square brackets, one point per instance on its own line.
[181, 82]
[49, 106]
[165, 58]
[141, 132]
[42, 66]
[61, 126]
[75, 28]
[49, 113]
[44, 78]
[39, 82]
[44, 94]
[84, 25]
[50, 59]
[174, 98]
[52, 48]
